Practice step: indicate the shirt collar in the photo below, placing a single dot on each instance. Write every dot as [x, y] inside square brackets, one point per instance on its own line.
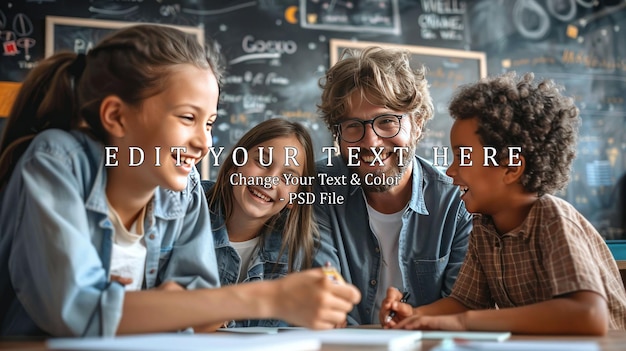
[524, 230]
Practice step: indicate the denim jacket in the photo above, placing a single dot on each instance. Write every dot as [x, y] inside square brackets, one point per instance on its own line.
[266, 266]
[433, 238]
[56, 241]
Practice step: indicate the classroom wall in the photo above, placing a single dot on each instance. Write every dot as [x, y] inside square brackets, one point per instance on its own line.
[277, 50]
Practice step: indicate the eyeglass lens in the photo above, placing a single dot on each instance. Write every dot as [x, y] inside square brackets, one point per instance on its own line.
[385, 126]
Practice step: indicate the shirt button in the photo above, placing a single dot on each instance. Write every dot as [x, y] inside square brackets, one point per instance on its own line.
[377, 249]
[151, 236]
[152, 271]
[373, 282]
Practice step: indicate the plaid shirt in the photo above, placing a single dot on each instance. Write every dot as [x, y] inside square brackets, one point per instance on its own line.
[554, 252]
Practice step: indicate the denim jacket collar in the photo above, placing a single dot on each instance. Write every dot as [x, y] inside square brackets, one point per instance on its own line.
[166, 203]
[269, 250]
[417, 202]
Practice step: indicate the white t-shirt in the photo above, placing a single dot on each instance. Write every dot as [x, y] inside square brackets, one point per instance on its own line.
[246, 250]
[387, 227]
[128, 258]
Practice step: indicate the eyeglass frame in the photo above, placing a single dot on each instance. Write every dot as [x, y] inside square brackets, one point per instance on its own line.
[364, 123]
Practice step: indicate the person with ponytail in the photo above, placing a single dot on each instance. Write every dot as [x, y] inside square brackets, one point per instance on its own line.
[104, 222]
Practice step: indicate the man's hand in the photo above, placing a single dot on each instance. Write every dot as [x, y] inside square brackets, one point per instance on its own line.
[392, 303]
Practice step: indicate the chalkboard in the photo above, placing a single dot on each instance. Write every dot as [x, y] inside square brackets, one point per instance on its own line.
[581, 45]
[277, 50]
[446, 70]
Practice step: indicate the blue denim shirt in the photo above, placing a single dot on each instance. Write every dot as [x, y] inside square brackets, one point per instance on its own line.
[266, 265]
[56, 241]
[433, 238]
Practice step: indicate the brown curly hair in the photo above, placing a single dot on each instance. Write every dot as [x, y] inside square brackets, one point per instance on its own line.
[385, 76]
[516, 111]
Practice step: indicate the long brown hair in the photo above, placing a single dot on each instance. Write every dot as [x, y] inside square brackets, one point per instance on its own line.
[300, 232]
[65, 90]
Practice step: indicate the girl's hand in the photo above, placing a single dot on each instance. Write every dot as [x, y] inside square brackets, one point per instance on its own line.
[341, 325]
[208, 328]
[392, 303]
[310, 299]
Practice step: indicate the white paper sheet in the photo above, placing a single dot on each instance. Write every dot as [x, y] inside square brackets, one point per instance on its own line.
[193, 342]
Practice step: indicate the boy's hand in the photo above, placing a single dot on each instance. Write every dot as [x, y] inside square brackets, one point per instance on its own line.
[392, 303]
[454, 322]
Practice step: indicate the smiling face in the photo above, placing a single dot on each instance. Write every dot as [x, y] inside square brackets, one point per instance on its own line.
[258, 202]
[364, 110]
[482, 187]
[181, 115]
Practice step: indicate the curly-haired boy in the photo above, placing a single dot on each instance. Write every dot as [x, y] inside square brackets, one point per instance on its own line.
[534, 265]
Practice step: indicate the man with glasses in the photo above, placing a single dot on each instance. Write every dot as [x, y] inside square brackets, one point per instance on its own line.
[400, 222]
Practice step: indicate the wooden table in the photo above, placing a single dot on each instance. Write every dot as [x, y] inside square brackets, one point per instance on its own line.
[614, 341]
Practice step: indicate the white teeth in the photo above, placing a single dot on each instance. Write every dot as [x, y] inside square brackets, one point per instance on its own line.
[463, 190]
[187, 160]
[261, 195]
[371, 158]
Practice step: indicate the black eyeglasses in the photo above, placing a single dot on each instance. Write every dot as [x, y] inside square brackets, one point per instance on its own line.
[385, 126]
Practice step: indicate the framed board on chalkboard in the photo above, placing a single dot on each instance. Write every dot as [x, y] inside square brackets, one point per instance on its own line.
[446, 69]
[81, 34]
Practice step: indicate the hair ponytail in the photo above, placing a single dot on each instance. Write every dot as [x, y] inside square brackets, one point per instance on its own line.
[46, 100]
